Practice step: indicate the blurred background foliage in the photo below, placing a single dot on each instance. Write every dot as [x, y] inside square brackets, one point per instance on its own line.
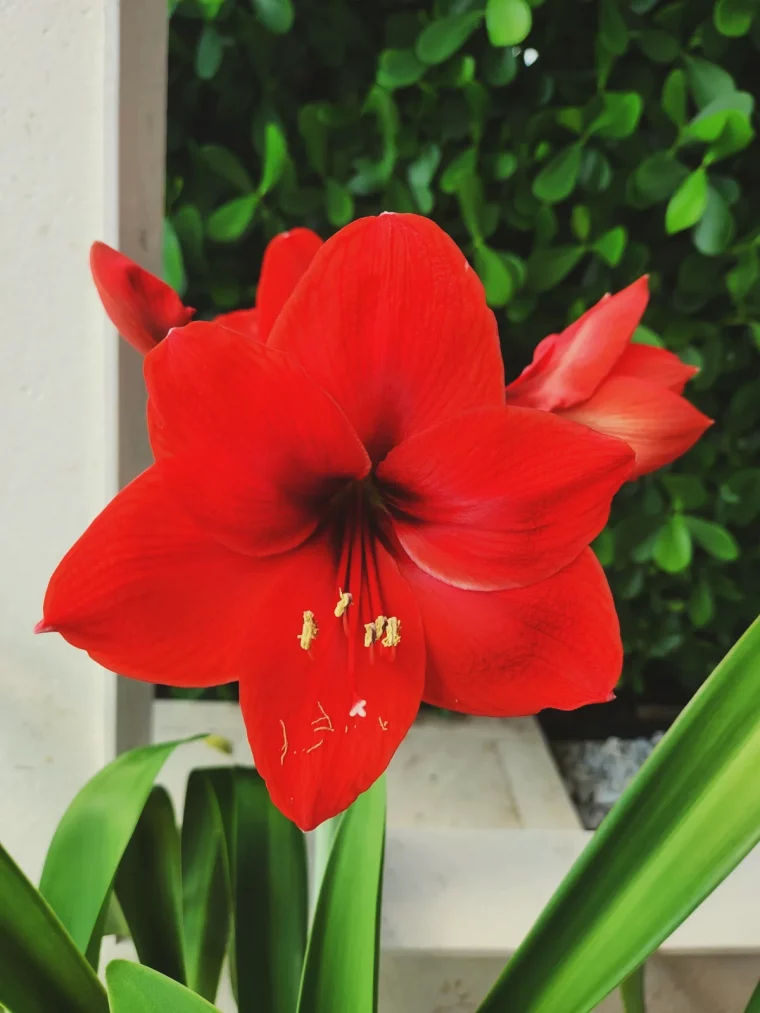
[568, 146]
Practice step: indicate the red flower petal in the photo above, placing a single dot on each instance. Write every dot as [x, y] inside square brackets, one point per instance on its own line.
[569, 367]
[147, 594]
[391, 321]
[656, 365]
[324, 723]
[509, 653]
[285, 261]
[244, 437]
[141, 307]
[657, 424]
[501, 497]
[244, 321]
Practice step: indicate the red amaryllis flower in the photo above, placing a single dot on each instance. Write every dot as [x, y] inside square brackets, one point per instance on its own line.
[593, 374]
[348, 520]
[144, 309]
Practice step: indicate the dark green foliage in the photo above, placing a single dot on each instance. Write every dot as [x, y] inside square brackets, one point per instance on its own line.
[616, 139]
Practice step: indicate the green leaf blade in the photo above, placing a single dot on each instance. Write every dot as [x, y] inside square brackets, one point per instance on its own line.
[136, 989]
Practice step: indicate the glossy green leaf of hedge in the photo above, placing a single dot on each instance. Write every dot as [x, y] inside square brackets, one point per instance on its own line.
[271, 902]
[277, 15]
[148, 887]
[209, 54]
[558, 177]
[508, 21]
[41, 971]
[94, 832]
[230, 221]
[340, 972]
[227, 165]
[672, 549]
[688, 203]
[734, 17]
[441, 39]
[206, 885]
[686, 820]
[713, 538]
[275, 157]
[136, 989]
[547, 268]
[173, 261]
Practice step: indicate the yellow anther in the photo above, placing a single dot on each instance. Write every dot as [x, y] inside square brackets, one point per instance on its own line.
[343, 602]
[380, 625]
[370, 634]
[309, 630]
[392, 633]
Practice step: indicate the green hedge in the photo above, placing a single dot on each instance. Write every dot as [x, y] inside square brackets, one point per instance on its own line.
[568, 146]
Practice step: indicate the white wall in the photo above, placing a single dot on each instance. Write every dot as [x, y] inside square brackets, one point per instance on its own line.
[65, 120]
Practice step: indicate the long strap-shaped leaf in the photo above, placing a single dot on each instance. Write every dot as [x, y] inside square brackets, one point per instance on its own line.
[754, 1003]
[688, 818]
[133, 988]
[90, 839]
[632, 992]
[270, 900]
[41, 970]
[205, 885]
[340, 971]
[148, 887]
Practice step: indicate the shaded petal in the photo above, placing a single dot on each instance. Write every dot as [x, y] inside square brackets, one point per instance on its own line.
[569, 367]
[249, 444]
[285, 260]
[511, 653]
[141, 307]
[244, 321]
[147, 594]
[501, 497]
[657, 424]
[315, 755]
[657, 365]
[391, 321]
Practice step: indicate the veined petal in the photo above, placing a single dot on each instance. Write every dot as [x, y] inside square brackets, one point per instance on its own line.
[244, 321]
[567, 368]
[510, 653]
[247, 441]
[392, 322]
[285, 260]
[657, 424]
[141, 307]
[501, 497]
[149, 595]
[324, 722]
[656, 365]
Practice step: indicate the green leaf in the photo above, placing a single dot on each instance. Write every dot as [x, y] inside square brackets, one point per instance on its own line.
[136, 989]
[754, 1002]
[596, 172]
[346, 920]
[673, 99]
[148, 887]
[714, 233]
[271, 904]
[734, 17]
[632, 992]
[688, 203]
[209, 53]
[188, 226]
[399, 68]
[741, 278]
[226, 165]
[93, 834]
[736, 135]
[457, 170]
[312, 128]
[498, 280]
[620, 115]
[339, 204]
[276, 15]
[508, 21]
[658, 176]
[173, 261]
[275, 158]
[613, 31]
[420, 175]
[580, 222]
[714, 538]
[547, 268]
[611, 245]
[710, 121]
[441, 39]
[228, 222]
[205, 885]
[701, 605]
[41, 970]
[707, 80]
[646, 336]
[557, 179]
[685, 821]
[672, 548]
[659, 46]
